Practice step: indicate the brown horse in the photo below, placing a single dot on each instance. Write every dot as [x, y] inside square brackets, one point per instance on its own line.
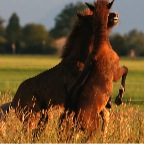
[36, 95]
[92, 90]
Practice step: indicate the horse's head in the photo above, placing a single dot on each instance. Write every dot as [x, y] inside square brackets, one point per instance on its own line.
[102, 17]
[83, 32]
[101, 13]
[113, 19]
[86, 17]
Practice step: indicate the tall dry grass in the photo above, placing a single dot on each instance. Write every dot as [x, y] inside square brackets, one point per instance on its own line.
[126, 126]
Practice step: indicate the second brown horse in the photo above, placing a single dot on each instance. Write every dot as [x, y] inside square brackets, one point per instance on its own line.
[94, 86]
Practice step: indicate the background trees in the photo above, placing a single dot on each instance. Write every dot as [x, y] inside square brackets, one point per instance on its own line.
[30, 39]
[119, 44]
[2, 29]
[127, 43]
[65, 20]
[36, 39]
[3, 40]
[135, 41]
[13, 33]
[13, 30]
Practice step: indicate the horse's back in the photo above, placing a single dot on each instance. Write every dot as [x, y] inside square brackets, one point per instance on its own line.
[49, 86]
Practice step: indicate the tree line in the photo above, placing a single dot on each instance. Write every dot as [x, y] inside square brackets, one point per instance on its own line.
[36, 39]
[30, 39]
[130, 44]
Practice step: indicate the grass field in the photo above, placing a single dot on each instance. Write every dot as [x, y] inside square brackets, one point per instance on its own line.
[15, 69]
[135, 79]
[126, 122]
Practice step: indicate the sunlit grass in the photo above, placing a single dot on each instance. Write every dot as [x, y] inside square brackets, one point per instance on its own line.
[15, 69]
[126, 122]
[28, 61]
[126, 125]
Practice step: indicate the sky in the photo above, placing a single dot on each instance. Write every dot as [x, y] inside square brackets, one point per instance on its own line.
[45, 11]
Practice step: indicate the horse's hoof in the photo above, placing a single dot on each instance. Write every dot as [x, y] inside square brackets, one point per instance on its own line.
[118, 101]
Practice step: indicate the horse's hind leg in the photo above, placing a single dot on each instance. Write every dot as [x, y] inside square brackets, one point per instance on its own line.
[105, 121]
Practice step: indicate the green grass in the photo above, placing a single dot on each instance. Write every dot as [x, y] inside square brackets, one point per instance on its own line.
[17, 68]
[134, 80]
[126, 121]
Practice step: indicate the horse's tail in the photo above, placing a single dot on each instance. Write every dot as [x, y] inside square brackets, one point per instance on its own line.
[4, 110]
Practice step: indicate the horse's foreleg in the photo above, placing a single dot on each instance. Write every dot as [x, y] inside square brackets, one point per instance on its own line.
[124, 71]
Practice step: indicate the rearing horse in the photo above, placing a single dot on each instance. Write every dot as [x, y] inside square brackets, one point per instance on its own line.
[38, 94]
[93, 88]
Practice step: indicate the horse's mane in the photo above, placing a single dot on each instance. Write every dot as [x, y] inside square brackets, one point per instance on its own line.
[77, 30]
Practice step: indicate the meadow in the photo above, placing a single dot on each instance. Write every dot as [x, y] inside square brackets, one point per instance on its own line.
[126, 121]
[15, 69]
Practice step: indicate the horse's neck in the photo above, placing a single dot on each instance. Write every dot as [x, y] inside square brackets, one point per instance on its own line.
[79, 45]
[100, 38]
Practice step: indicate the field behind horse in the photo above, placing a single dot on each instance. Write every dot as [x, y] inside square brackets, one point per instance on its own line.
[126, 121]
[15, 69]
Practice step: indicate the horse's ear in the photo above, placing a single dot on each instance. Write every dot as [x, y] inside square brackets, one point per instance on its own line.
[110, 4]
[91, 7]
